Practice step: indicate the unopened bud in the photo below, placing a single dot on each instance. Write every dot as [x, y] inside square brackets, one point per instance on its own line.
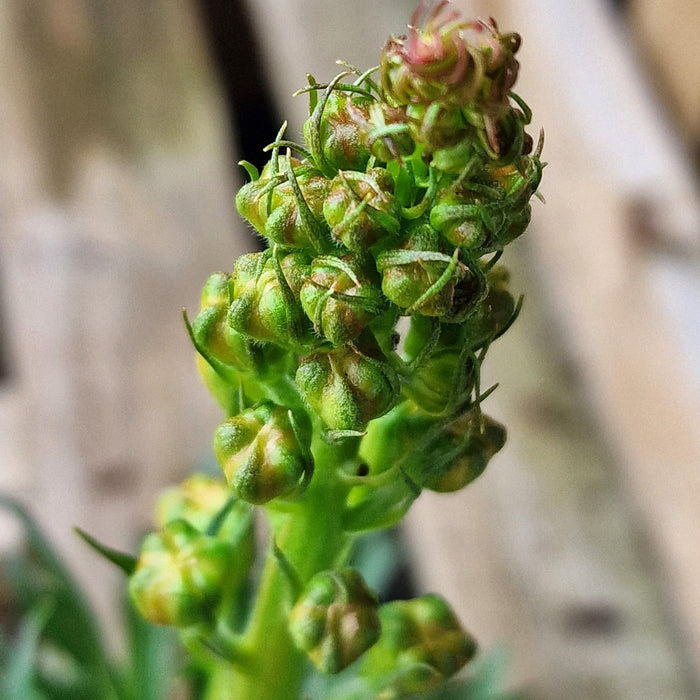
[421, 645]
[264, 452]
[340, 297]
[418, 277]
[388, 134]
[341, 128]
[346, 388]
[200, 500]
[335, 619]
[266, 299]
[492, 315]
[463, 452]
[282, 211]
[361, 209]
[180, 576]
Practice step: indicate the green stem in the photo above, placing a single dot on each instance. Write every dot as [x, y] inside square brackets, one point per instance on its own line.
[310, 535]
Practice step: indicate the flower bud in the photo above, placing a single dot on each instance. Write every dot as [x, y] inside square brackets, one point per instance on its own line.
[214, 336]
[388, 134]
[266, 299]
[341, 128]
[432, 384]
[492, 315]
[340, 297]
[265, 453]
[463, 217]
[463, 452]
[223, 353]
[434, 64]
[180, 575]
[437, 126]
[418, 278]
[288, 223]
[200, 500]
[361, 209]
[255, 200]
[335, 619]
[421, 645]
[346, 388]
[281, 210]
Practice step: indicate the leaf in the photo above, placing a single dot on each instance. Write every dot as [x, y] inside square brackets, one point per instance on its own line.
[126, 562]
[19, 671]
[71, 627]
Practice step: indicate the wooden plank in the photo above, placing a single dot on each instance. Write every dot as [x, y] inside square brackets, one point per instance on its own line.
[669, 49]
[116, 195]
[634, 366]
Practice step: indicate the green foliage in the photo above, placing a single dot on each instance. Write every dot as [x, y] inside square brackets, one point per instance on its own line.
[57, 651]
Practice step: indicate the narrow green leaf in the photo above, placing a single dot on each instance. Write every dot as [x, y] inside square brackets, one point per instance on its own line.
[126, 562]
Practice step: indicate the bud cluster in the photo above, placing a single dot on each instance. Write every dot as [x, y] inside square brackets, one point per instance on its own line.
[347, 353]
[398, 202]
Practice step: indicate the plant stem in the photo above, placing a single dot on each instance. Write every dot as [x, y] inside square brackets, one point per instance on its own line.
[311, 538]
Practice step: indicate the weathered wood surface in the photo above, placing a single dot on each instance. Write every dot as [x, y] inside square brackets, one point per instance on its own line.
[578, 549]
[668, 47]
[116, 202]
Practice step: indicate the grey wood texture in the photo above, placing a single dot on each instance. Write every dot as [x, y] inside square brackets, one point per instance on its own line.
[578, 550]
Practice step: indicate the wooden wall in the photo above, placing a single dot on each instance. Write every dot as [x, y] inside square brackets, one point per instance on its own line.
[577, 551]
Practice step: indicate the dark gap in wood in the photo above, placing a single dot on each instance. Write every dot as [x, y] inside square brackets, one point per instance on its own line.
[5, 358]
[253, 115]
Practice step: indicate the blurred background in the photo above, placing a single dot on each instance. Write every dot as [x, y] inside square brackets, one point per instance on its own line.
[578, 552]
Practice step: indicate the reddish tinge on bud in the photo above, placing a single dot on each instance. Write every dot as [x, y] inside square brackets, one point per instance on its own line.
[446, 59]
[432, 64]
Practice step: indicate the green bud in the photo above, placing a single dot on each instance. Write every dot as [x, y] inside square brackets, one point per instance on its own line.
[431, 385]
[340, 296]
[388, 134]
[437, 126]
[215, 337]
[265, 453]
[440, 453]
[419, 278]
[266, 299]
[201, 500]
[341, 128]
[288, 223]
[361, 209]
[421, 645]
[181, 575]
[255, 200]
[463, 452]
[223, 353]
[335, 619]
[285, 212]
[463, 218]
[215, 291]
[346, 388]
[493, 314]
[197, 500]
